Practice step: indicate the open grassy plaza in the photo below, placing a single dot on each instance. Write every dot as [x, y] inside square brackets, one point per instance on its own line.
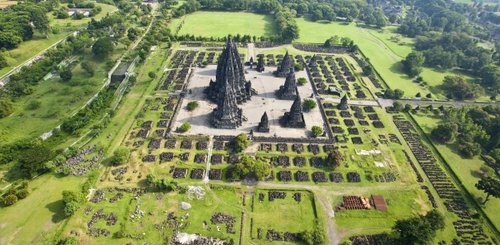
[209, 127]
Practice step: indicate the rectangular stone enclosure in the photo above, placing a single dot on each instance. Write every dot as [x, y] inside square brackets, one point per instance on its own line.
[265, 84]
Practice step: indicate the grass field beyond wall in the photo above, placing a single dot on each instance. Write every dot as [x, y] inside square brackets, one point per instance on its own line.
[220, 24]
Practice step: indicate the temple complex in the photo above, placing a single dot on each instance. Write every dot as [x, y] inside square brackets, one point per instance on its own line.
[285, 66]
[288, 91]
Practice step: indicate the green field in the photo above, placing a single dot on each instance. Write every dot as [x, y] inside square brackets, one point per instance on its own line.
[464, 168]
[28, 49]
[220, 24]
[30, 219]
[57, 101]
[384, 48]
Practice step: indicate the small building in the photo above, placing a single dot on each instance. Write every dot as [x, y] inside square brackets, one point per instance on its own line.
[84, 11]
[119, 74]
[379, 202]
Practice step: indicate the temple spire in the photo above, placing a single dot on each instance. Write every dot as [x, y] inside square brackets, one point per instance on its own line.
[263, 124]
[289, 90]
[230, 68]
[285, 66]
[295, 117]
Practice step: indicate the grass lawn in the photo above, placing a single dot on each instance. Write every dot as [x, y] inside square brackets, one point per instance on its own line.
[384, 47]
[28, 49]
[28, 220]
[464, 168]
[72, 24]
[57, 101]
[220, 24]
[401, 204]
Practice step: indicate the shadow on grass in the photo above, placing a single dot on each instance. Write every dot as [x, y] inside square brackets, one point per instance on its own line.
[57, 209]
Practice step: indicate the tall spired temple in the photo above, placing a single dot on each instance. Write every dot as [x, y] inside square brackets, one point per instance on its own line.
[230, 70]
[294, 118]
[285, 66]
[288, 91]
[227, 115]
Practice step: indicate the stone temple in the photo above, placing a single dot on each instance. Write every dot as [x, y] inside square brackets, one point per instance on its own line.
[230, 70]
[263, 124]
[289, 90]
[227, 115]
[285, 66]
[294, 118]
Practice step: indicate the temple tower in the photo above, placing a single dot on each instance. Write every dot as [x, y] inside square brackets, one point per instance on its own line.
[230, 69]
[263, 124]
[294, 118]
[227, 115]
[288, 91]
[285, 66]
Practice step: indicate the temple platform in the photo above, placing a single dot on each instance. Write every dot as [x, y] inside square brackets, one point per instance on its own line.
[265, 84]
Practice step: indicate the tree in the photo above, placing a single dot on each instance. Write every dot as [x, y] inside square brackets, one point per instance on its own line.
[3, 61]
[120, 156]
[419, 230]
[334, 158]
[398, 93]
[317, 131]
[332, 42]
[412, 64]
[72, 201]
[6, 108]
[240, 142]
[445, 132]
[9, 200]
[103, 47]
[191, 106]
[88, 67]
[312, 237]
[66, 74]
[398, 106]
[309, 104]
[152, 75]
[32, 160]
[367, 70]
[490, 186]
[456, 87]
[184, 127]
[249, 166]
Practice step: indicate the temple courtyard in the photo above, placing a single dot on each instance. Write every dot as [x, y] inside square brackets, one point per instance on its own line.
[265, 83]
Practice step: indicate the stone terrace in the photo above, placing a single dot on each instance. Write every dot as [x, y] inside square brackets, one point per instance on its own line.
[265, 84]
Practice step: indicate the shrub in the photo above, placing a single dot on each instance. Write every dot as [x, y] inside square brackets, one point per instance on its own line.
[120, 156]
[240, 142]
[317, 131]
[33, 105]
[191, 106]
[298, 67]
[9, 200]
[184, 127]
[6, 108]
[302, 81]
[309, 104]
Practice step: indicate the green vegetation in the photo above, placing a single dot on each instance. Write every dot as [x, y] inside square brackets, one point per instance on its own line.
[302, 81]
[120, 156]
[309, 104]
[490, 186]
[317, 131]
[240, 142]
[215, 24]
[184, 127]
[250, 167]
[191, 106]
